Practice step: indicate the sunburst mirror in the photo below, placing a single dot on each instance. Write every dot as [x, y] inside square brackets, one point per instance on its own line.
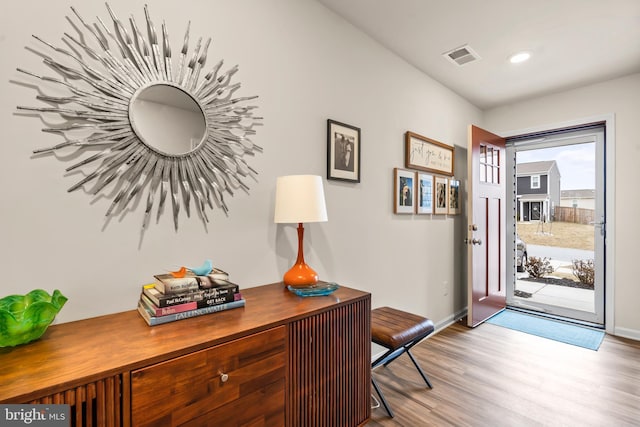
[144, 123]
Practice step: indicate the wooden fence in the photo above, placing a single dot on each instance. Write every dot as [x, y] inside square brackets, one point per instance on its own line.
[575, 215]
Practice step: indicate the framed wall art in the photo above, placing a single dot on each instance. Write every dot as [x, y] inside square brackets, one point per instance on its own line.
[404, 190]
[343, 151]
[428, 155]
[453, 204]
[424, 204]
[441, 200]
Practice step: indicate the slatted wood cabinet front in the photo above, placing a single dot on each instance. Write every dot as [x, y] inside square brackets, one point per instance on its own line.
[280, 360]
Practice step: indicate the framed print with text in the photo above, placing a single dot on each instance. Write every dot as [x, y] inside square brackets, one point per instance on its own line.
[428, 155]
[404, 190]
[424, 204]
[441, 202]
[343, 151]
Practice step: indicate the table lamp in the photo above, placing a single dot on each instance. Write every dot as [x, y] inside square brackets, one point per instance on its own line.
[300, 199]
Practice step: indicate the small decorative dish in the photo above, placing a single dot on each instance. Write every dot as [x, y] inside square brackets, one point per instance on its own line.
[323, 288]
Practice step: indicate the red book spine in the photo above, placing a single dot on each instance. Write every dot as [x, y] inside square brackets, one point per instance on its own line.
[173, 309]
[163, 311]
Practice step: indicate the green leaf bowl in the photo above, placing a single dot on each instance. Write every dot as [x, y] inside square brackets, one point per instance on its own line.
[24, 318]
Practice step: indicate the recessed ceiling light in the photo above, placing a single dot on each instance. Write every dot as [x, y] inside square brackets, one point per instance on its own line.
[519, 57]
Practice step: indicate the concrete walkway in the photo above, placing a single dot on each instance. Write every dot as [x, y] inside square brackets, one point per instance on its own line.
[553, 252]
[562, 296]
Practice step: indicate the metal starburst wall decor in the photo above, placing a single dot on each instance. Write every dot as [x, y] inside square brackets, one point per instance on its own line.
[144, 124]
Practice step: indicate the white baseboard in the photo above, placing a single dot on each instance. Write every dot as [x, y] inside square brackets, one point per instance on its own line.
[449, 320]
[633, 334]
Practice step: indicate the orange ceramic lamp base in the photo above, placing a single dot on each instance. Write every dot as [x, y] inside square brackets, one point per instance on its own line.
[300, 275]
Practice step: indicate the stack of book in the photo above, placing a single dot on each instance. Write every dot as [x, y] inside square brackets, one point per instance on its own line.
[170, 298]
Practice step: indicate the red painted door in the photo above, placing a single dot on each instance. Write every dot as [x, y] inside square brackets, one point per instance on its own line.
[486, 278]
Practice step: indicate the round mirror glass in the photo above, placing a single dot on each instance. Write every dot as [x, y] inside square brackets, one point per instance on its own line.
[167, 119]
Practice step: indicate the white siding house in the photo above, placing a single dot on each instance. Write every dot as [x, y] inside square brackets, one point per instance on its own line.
[583, 199]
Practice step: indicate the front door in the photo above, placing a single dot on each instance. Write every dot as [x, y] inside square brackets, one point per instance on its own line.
[535, 211]
[486, 225]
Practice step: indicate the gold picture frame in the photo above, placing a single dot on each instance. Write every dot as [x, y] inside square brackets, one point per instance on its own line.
[441, 196]
[404, 191]
[453, 197]
[424, 196]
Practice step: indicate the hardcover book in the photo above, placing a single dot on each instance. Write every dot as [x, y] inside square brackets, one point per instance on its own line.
[168, 284]
[224, 288]
[158, 320]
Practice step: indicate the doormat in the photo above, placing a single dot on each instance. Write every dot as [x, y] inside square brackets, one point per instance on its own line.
[551, 329]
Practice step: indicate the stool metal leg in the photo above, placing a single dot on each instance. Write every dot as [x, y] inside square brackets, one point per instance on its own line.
[389, 357]
[382, 399]
[392, 355]
[424, 377]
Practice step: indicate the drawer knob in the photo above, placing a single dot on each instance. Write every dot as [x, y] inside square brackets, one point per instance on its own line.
[224, 377]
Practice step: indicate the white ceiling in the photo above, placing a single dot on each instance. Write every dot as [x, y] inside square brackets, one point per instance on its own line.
[573, 42]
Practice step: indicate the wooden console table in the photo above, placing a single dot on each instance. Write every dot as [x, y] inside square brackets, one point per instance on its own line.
[280, 360]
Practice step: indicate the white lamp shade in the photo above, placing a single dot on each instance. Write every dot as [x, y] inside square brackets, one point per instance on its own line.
[300, 198]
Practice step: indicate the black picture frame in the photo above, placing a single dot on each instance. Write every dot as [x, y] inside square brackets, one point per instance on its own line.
[343, 151]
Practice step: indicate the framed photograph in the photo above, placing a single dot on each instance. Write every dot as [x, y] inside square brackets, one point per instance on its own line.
[343, 151]
[454, 197]
[404, 190]
[441, 199]
[424, 204]
[428, 155]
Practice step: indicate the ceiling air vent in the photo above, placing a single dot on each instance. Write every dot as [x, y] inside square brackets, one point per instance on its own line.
[462, 55]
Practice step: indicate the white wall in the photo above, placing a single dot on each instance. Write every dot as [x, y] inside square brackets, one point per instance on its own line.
[307, 65]
[620, 97]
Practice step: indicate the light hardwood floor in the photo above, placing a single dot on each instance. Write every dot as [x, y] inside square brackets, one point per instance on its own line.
[494, 376]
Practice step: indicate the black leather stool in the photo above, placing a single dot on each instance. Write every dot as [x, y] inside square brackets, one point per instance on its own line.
[397, 331]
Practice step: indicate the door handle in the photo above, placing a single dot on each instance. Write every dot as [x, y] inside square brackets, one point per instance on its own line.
[473, 241]
[602, 224]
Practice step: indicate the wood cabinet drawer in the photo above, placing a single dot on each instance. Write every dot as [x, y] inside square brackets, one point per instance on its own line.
[194, 387]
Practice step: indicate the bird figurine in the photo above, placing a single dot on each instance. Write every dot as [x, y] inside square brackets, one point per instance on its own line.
[180, 273]
[204, 269]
